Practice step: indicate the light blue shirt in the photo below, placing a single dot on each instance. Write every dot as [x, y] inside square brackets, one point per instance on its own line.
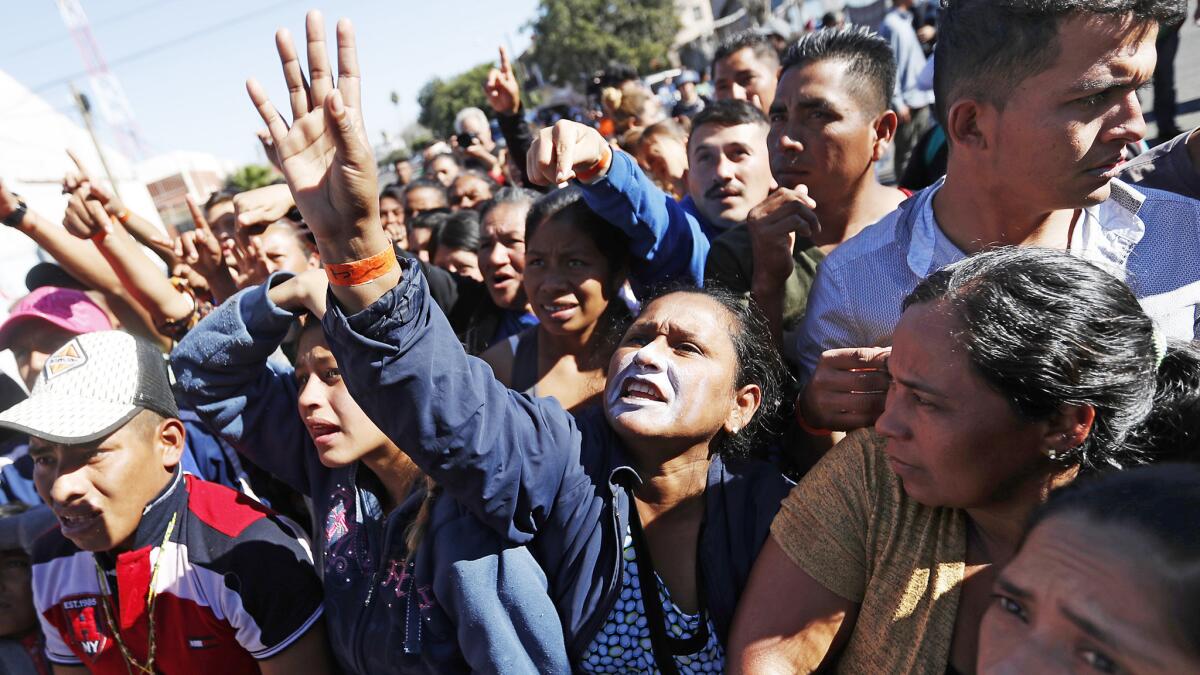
[897, 29]
[1149, 238]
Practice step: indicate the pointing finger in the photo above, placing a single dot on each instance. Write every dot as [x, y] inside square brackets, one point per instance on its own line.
[505, 66]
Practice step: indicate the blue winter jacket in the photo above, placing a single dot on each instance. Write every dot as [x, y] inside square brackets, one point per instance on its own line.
[668, 241]
[528, 469]
[473, 601]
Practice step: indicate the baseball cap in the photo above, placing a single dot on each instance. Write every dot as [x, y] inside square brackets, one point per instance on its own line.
[91, 387]
[50, 274]
[66, 308]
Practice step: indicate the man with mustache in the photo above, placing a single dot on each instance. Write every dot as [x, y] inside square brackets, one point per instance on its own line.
[1038, 100]
[152, 569]
[829, 125]
[728, 175]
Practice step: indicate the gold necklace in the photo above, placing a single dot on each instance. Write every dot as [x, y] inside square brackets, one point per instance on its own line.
[151, 598]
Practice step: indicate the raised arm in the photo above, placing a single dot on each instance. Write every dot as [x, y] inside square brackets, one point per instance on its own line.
[499, 454]
[81, 260]
[141, 229]
[504, 96]
[223, 369]
[201, 249]
[665, 240]
[87, 219]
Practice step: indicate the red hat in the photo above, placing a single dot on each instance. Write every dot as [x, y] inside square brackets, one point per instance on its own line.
[66, 308]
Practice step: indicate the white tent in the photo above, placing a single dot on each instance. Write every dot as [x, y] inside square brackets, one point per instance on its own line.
[34, 138]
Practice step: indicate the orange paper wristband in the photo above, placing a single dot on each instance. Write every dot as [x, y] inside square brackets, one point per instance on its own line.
[362, 271]
[590, 174]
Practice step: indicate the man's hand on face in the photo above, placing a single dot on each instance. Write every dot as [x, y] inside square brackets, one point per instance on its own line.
[848, 389]
[503, 91]
[561, 152]
[773, 226]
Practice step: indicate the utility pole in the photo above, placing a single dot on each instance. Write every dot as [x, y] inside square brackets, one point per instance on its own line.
[85, 109]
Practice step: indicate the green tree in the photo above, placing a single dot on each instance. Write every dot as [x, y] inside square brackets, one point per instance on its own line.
[574, 38]
[252, 176]
[440, 100]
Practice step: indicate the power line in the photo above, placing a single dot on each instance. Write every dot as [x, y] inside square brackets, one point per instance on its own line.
[54, 39]
[167, 44]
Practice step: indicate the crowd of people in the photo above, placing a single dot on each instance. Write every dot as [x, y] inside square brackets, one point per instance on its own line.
[469, 419]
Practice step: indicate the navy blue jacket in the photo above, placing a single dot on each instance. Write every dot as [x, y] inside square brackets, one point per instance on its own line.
[526, 467]
[472, 601]
[668, 240]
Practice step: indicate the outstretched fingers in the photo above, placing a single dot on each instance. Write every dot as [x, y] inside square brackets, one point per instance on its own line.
[349, 77]
[293, 74]
[266, 110]
[319, 72]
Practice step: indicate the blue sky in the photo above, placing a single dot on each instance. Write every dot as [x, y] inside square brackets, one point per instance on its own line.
[188, 93]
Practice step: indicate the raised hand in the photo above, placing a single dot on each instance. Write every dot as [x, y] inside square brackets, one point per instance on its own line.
[200, 248]
[81, 178]
[503, 91]
[325, 156]
[263, 206]
[563, 151]
[268, 146]
[85, 217]
[8, 202]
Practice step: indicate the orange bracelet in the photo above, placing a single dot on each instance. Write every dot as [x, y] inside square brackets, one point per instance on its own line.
[123, 217]
[808, 428]
[363, 271]
[590, 174]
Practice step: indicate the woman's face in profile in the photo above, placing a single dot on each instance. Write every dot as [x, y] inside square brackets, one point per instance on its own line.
[1083, 597]
[952, 439]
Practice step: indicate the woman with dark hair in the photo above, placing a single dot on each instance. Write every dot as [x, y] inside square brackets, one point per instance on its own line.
[688, 385]
[1012, 372]
[575, 267]
[1107, 580]
[455, 244]
[500, 308]
[388, 541]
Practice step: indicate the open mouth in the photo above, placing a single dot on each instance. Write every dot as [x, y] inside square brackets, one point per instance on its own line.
[501, 278]
[559, 311]
[642, 390]
[77, 521]
[321, 431]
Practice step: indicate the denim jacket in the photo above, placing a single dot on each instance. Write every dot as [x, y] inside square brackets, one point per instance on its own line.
[529, 470]
[468, 600]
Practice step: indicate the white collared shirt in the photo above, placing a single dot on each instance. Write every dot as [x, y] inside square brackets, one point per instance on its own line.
[1150, 239]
